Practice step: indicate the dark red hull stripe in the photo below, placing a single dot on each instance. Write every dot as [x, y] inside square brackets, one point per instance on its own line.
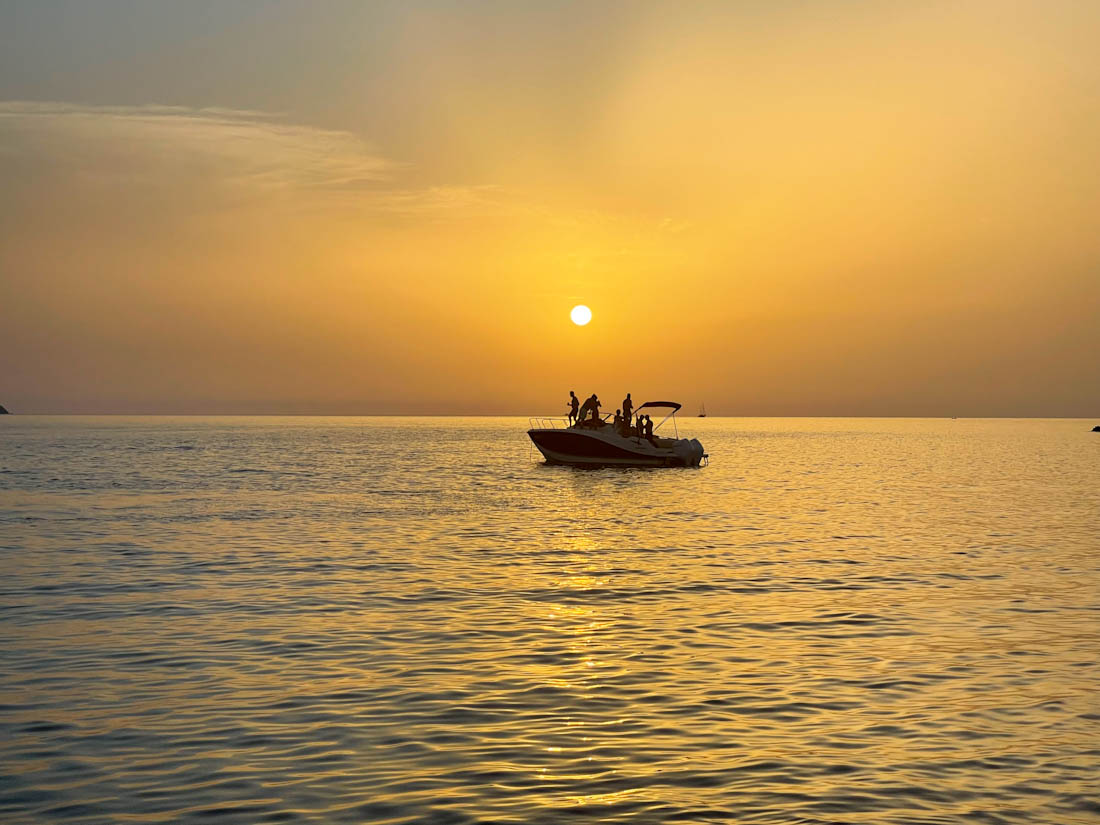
[567, 443]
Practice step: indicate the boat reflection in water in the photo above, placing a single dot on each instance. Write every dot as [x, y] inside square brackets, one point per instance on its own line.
[596, 443]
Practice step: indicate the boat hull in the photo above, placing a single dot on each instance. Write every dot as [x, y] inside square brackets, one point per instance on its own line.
[582, 448]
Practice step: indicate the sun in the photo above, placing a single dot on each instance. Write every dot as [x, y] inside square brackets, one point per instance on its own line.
[581, 315]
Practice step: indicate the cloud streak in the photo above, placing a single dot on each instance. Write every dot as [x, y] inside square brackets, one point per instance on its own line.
[215, 156]
[239, 148]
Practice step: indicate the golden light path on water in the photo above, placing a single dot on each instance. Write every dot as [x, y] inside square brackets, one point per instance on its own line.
[414, 620]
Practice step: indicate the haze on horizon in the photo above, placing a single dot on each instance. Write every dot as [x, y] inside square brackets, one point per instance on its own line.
[861, 208]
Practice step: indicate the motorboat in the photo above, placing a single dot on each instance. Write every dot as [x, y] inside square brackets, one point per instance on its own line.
[597, 443]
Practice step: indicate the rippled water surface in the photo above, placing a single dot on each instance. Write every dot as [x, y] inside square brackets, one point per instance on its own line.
[413, 620]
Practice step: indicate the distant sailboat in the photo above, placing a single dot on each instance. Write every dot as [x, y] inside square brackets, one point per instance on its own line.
[702, 410]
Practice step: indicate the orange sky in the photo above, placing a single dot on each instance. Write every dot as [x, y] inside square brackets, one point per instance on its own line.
[778, 208]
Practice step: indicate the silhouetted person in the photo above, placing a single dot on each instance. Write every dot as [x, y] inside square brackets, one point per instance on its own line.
[618, 423]
[595, 408]
[574, 405]
[582, 416]
[628, 409]
[649, 430]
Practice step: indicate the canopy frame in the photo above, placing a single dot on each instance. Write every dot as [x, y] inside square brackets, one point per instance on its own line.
[666, 405]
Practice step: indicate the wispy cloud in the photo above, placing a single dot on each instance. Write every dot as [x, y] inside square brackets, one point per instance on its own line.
[146, 143]
[241, 154]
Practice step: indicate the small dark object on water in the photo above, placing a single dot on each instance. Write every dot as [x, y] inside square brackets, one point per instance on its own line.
[3, 411]
[1095, 429]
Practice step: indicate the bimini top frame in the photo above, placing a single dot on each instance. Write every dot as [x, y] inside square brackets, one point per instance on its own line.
[663, 405]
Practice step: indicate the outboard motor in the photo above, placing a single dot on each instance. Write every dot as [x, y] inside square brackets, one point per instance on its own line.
[689, 452]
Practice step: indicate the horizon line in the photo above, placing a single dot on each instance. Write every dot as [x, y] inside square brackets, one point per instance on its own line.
[517, 415]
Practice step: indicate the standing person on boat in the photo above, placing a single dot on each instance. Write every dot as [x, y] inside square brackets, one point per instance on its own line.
[618, 423]
[574, 405]
[585, 407]
[628, 408]
[595, 402]
[649, 430]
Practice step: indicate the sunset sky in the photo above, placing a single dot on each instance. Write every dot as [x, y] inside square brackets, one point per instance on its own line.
[778, 208]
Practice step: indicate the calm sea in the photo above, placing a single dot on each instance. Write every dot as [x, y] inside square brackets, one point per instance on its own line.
[402, 620]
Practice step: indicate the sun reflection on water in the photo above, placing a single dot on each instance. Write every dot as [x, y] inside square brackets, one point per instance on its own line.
[333, 635]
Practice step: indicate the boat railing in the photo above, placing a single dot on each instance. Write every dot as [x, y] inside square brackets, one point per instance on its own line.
[548, 423]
